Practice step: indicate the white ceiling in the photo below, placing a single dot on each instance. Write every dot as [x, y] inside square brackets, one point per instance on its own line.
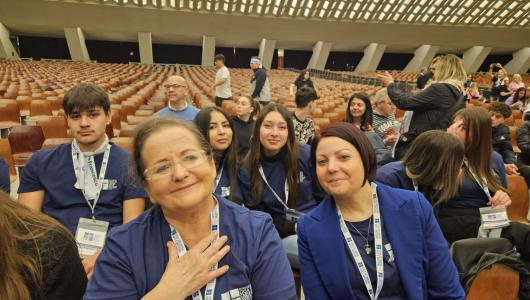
[174, 22]
[495, 13]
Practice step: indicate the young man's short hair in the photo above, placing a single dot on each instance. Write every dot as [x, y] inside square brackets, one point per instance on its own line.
[502, 108]
[220, 57]
[304, 96]
[84, 97]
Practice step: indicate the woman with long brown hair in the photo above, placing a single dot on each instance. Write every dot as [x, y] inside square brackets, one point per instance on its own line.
[438, 179]
[276, 175]
[359, 112]
[483, 171]
[39, 258]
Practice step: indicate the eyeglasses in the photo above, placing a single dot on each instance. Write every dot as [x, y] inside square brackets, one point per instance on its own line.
[190, 160]
[174, 86]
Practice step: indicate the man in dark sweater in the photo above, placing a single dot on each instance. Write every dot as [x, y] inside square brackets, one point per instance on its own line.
[501, 140]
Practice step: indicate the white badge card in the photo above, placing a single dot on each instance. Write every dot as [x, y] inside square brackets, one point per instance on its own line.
[225, 191]
[494, 217]
[90, 236]
[292, 215]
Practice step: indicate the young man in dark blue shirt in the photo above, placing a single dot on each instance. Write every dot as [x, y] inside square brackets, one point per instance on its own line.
[84, 181]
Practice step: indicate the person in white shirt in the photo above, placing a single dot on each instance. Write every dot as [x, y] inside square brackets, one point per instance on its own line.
[222, 81]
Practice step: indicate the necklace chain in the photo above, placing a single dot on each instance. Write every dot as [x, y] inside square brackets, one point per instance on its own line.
[367, 247]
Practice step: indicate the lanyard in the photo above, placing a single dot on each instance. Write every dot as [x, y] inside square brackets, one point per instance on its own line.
[91, 164]
[286, 189]
[481, 183]
[378, 240]
[218, 177]
[175, 236]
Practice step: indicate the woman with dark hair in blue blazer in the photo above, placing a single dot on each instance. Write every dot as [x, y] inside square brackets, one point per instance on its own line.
[368, 241]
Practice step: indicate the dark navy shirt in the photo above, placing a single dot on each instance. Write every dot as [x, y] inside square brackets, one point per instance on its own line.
[471, 195]
[223, 186]
[135, 257]
[392, 288]
[5, 181]
[276, 174]
[52, 170]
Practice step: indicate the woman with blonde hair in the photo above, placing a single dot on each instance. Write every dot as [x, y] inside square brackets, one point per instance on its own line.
[39, 257]
[433, 107]
[517, 83]
[473, 92]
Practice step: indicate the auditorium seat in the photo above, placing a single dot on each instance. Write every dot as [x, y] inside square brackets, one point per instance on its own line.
[127, 130]
[9, 115]
[5, 153]
[24, 141]
[123, 142]
[518, 210]
[496, 283]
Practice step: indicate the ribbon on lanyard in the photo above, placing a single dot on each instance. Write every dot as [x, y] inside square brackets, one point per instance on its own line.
[378, 240]
[481, 183]
[91, 164]
[218, 178]
[175, 236]
[286, 189]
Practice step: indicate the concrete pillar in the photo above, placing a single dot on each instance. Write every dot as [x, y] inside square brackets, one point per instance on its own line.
[320, 55]
[520, 61]
[76, 44]
[208, 50]
[281, 59]
[422, 58]
[6, 47]
[145, 45]
[474, 57]
[372, 56]
[266, 52]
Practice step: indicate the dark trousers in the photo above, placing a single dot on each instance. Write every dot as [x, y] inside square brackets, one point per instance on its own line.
[219, 101]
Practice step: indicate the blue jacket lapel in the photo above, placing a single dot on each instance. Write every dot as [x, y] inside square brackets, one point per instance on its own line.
[402, 225]
[329, 254]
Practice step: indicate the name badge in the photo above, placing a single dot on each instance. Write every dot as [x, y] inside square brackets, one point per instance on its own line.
[292, 215]
[494, 217]
[90, 236]
[225, 191]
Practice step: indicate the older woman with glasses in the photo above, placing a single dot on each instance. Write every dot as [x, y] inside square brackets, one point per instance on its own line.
[176, 250]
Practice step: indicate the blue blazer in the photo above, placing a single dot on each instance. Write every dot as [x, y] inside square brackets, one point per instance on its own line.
[422, 256]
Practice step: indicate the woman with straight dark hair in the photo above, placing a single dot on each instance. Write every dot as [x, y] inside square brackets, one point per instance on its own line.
[275, 176]
[433, 107]
[303, 80]
[39, 258]
[359, 113]
[368, 240]
[218, 129]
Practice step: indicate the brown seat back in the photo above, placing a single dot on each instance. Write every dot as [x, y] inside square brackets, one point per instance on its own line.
[40, 108]
[54, 127]
[5, 153]
[25, 138]
[496, 283]
[518, 189]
